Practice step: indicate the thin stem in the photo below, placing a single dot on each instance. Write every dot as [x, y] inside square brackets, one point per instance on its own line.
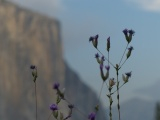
[123, 62]
[110, 105]
[83, 114]
[100, 93]
[36, 98]
[123, 55]
[118, 89]
[105, 57]
[118, 104]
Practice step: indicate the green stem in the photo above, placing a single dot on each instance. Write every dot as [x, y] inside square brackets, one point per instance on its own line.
[100, 94]
[110, 106]
[36, 98]
[118, 104]
[123, 55]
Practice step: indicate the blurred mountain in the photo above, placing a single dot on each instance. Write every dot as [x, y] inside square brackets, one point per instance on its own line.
[30, 38]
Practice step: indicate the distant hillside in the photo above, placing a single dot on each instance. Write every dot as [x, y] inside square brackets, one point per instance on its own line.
[29, 38]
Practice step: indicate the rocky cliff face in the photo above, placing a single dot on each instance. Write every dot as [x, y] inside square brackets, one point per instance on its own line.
[29, 38]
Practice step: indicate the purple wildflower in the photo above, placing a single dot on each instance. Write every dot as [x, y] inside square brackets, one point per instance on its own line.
[128, 74]
[92, 116]
[71, 106]
[53, 107]
[101, 66]
[108, 39]
[125, 31]
[56, 86]
[102, 58]
[32, 67]
[97, 55]
[107, 67]
[91, 38]
[130, 48]
[131, 32]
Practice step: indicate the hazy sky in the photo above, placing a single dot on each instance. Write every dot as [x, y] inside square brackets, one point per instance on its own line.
[81, 19]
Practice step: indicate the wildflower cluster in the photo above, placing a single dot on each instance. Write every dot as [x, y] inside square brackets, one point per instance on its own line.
[104, 73]
[58, 115]
[105, 76]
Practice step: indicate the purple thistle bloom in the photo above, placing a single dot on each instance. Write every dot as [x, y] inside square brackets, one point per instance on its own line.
[108, 39]
[131, 32]
[91, 38]
[128, 74]
[92, 116]
[102, 58]
[101, 66]
[96, 37]
[71, 106]
[56, 86]
[53, 107]
[97, 55]
[32, 67]
[130, 48]
[107, 67]
[125, 31]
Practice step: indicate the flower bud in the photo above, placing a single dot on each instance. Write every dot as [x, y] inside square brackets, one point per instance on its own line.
[111, 82]
[131, 33]
[97, 58]
[94, 40]
[108, 44]
[129, 52]
[125, 31]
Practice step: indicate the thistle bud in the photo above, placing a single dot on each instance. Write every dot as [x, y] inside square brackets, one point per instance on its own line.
[111, 82]
[97, 58]
[131, 33]
[108, 44]
[129, 52]
[125, 31]
[94, 40]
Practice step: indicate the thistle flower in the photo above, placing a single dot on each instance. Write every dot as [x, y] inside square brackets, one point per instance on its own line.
[97, 58]
[71, 106]
[129, 52]
[125, 78]
[130, 48]
[131, 33]
[96, 55]
[92, 116]
[101, 66]
[128, 74]
[34, 72]
[56, 86]
[53, 107]
[32, 67]
[128, 37]
[94, 40]
[125, 31]
[107, 67]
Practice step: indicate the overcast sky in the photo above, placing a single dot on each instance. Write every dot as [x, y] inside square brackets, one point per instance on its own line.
[81, 19]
